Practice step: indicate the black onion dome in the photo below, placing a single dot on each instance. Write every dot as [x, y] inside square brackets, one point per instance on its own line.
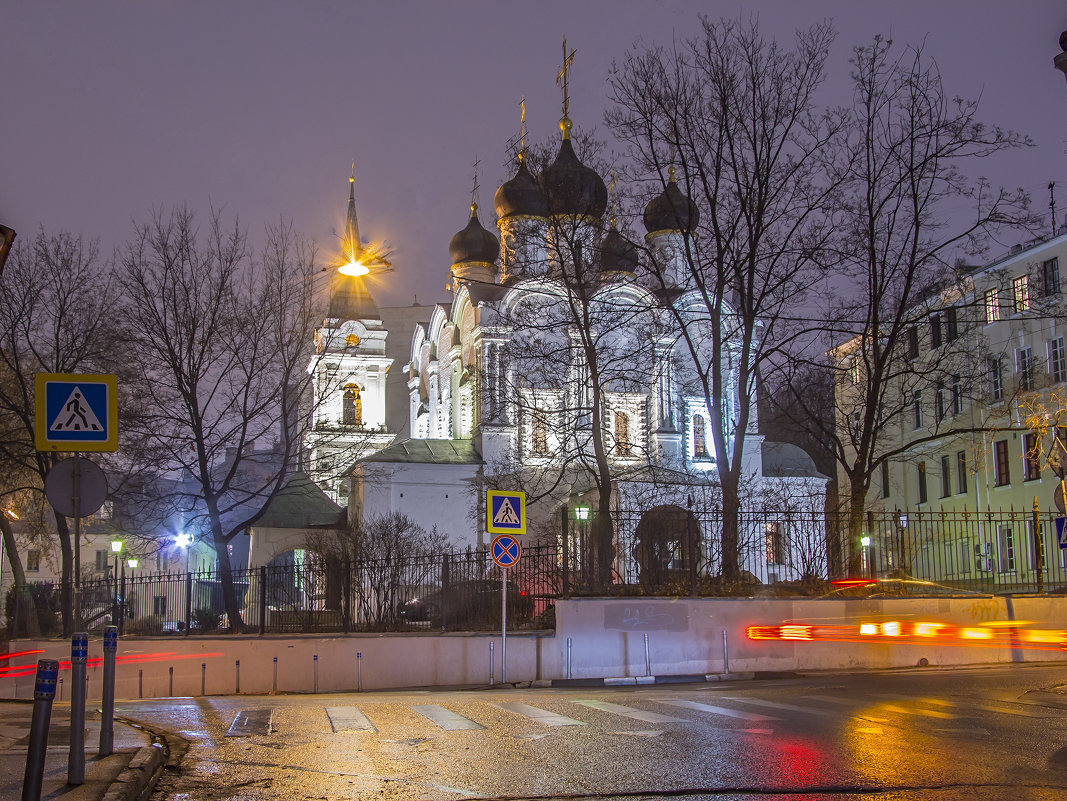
[520, 196]
[671, 210]
[474, 243]
[571, 187]
[617, 254]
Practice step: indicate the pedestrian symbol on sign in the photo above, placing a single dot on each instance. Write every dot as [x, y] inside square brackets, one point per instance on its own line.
[505, 514]
[77, 415]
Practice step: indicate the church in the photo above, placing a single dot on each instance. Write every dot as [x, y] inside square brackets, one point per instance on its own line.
[552, 366]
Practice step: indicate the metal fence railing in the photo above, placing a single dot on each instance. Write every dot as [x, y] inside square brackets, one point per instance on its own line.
[673, 552]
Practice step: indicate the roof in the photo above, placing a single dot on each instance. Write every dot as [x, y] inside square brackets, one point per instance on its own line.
[785, 460]
[301, 504]
[429, 451]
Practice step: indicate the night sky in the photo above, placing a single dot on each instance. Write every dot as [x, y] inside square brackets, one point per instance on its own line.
[111, 109]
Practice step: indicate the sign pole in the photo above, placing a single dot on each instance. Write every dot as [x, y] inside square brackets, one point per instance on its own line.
[503, 625]
[77, 546]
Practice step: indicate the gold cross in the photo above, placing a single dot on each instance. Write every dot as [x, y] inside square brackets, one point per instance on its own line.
[474, 187]
[561, 79]
[522, 127]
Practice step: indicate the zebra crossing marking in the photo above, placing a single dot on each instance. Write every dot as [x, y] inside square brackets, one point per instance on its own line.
[348, 718]
[445, 718]
[630, 712]
[807, 710]
[540, 715]
[718, 710]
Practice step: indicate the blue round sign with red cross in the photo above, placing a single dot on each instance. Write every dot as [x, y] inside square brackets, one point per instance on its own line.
[506, 550]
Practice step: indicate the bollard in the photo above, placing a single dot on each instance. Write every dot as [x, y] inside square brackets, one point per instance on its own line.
[44, 692]
[316, 659]
[59, 693]
[492, 670]
[107, 693]
[170, 691]
[140, 684]
[237, 676]
[725, 654]
[203, 677]
[648, 659]
[79, 653]
[275, 688]
[568, 657]
[359, 671]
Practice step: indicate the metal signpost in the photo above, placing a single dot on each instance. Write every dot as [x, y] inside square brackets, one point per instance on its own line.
[506, 552]
[73, 413]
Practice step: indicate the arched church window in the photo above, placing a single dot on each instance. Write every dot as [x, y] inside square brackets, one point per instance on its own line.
[622, 433]
[539, 432]
[352, 407]
[700, 443]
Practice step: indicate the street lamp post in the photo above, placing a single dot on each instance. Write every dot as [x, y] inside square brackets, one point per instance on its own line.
[116, 548]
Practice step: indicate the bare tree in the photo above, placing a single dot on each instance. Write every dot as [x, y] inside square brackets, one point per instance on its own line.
[734, 113]
[220, 342]
[903, 169]
[56, 305]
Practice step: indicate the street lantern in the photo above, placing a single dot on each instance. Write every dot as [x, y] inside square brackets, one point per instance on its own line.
[116, 548]
[1061, 58]
[131, 563]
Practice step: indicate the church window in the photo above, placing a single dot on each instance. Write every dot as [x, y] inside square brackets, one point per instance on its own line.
[700, 442]
[622, 433]
[539, 432]
[352, 409]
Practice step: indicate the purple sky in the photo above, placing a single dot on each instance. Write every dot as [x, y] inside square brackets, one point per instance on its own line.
[112, 108]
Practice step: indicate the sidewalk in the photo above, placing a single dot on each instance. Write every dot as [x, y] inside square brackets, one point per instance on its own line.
[110, 778]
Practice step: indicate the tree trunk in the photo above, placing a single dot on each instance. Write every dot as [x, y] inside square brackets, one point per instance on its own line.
[857, 501]
[731, 521]
[604, 541]
[229, 593]
[25, 609]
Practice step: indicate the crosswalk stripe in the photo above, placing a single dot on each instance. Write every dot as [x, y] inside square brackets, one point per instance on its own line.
[962, 706]
[445, 718]
[718, 710]
[348, 718]
[926, 713]
[807, 710]
[879, 705]
[541, 715]
[630, 712]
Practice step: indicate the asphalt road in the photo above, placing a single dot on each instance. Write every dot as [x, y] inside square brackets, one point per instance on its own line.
[990, 733]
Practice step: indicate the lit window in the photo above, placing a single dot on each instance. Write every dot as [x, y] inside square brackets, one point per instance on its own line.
[622, 433]
[1020, 294]
[992, 305]
[539, 432]
[700, 443]
[352, 409]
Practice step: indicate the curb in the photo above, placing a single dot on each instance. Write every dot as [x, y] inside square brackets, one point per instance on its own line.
[137, 781]
[623, 681]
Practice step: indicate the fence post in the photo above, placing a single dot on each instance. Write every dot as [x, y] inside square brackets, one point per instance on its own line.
[446, 569]
[263, 600]
[346, 597]
[691, 532]
[188, 602]
[1039, 549]
[563, 523]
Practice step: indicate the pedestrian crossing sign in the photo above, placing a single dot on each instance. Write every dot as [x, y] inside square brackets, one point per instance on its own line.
[76, 412]
[505, 512]
[1061, 532]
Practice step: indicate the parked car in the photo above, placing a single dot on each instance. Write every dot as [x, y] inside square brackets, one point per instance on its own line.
[466, 602]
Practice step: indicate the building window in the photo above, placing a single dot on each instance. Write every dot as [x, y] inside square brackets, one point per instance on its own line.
[885, 479]
[996, 378]
[917, 410]
[922, 482]
[935, 330]
[940, 403]
[952, 330]
[946, 476]
[1031, 457]
[1001, 465]
[33, 561]
[913, 342]
[159, 605]
[622, 433]
[1057, 367]
[961, 472]
[992, 305]
[1007, 549]
[1024, 366]
[856, 370]
[957, 395]
[102, 561]
[700, 441]
[1050, 272]
[1020, 294]
[774, 544]
[352, 408]
[539, 432]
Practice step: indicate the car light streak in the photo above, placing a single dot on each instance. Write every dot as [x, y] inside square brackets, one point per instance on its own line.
[996, 634]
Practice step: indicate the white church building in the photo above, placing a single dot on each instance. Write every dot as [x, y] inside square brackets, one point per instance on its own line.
[421, 409]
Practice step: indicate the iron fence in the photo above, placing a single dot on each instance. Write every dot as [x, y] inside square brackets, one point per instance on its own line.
[674, 552]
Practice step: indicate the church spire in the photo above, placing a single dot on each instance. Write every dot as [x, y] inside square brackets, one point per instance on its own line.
[353, 245]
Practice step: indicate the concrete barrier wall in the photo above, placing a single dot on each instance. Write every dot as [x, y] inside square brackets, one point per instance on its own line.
[604, 638]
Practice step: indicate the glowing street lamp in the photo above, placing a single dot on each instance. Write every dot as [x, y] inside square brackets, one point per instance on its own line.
[116, 548]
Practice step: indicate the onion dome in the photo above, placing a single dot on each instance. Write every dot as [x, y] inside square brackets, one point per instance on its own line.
[474, 243]
[671, 210]
[521, 196]
[617, 254]
[570, 186]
